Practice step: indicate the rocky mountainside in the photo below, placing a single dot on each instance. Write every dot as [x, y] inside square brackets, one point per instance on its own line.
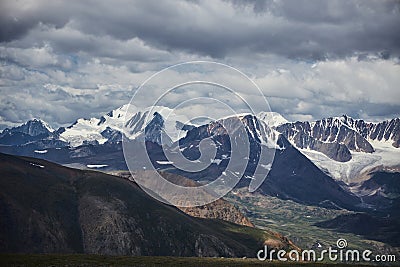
[292, 175]
[388, 130]
[336, 137]
[33, 127]
[331, 137]
[219, 209]
[34, 130]
[46, 208]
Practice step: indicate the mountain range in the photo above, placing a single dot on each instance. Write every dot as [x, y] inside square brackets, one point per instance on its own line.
[336, 137]
[325, 162]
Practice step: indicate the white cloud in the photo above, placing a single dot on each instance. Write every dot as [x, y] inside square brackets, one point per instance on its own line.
[334, 87]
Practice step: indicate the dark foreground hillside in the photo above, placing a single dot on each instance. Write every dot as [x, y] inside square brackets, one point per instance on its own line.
[47, 208]
[142, 261]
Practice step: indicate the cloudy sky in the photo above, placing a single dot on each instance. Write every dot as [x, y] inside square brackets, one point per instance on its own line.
[62, 60]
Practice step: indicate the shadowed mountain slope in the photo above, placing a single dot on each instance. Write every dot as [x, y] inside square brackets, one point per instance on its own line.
[47, 208]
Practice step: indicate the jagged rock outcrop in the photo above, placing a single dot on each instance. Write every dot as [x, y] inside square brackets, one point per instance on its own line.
[337, 136]
[332, 137]
[112, 135]
[388, 130]
[219, 209]
[31, 131]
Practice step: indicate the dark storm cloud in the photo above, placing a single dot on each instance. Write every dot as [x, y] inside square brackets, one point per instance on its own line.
[62, 60]
[18, 17]
[296, 29]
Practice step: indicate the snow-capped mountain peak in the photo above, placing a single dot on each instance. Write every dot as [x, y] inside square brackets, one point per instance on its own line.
[116, 117]
[93, 129]
[90, 130]
[385, 131]
[84, 130]
[32, 127]
[272, 119]
[44, 124]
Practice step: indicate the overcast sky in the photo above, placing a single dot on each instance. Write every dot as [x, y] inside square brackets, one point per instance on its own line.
[62, 60]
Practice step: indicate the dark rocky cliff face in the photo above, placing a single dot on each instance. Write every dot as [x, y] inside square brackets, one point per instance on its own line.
[300, 133]
[336, 137]
[332, 137]
[219, 209]
[46, 208]
[388, 130]
[33, 127]
[35, 132]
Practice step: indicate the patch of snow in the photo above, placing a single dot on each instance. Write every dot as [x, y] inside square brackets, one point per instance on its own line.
[216, 161]
[41, 151]
[164, 162]
[36, 165]
[96, 166]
